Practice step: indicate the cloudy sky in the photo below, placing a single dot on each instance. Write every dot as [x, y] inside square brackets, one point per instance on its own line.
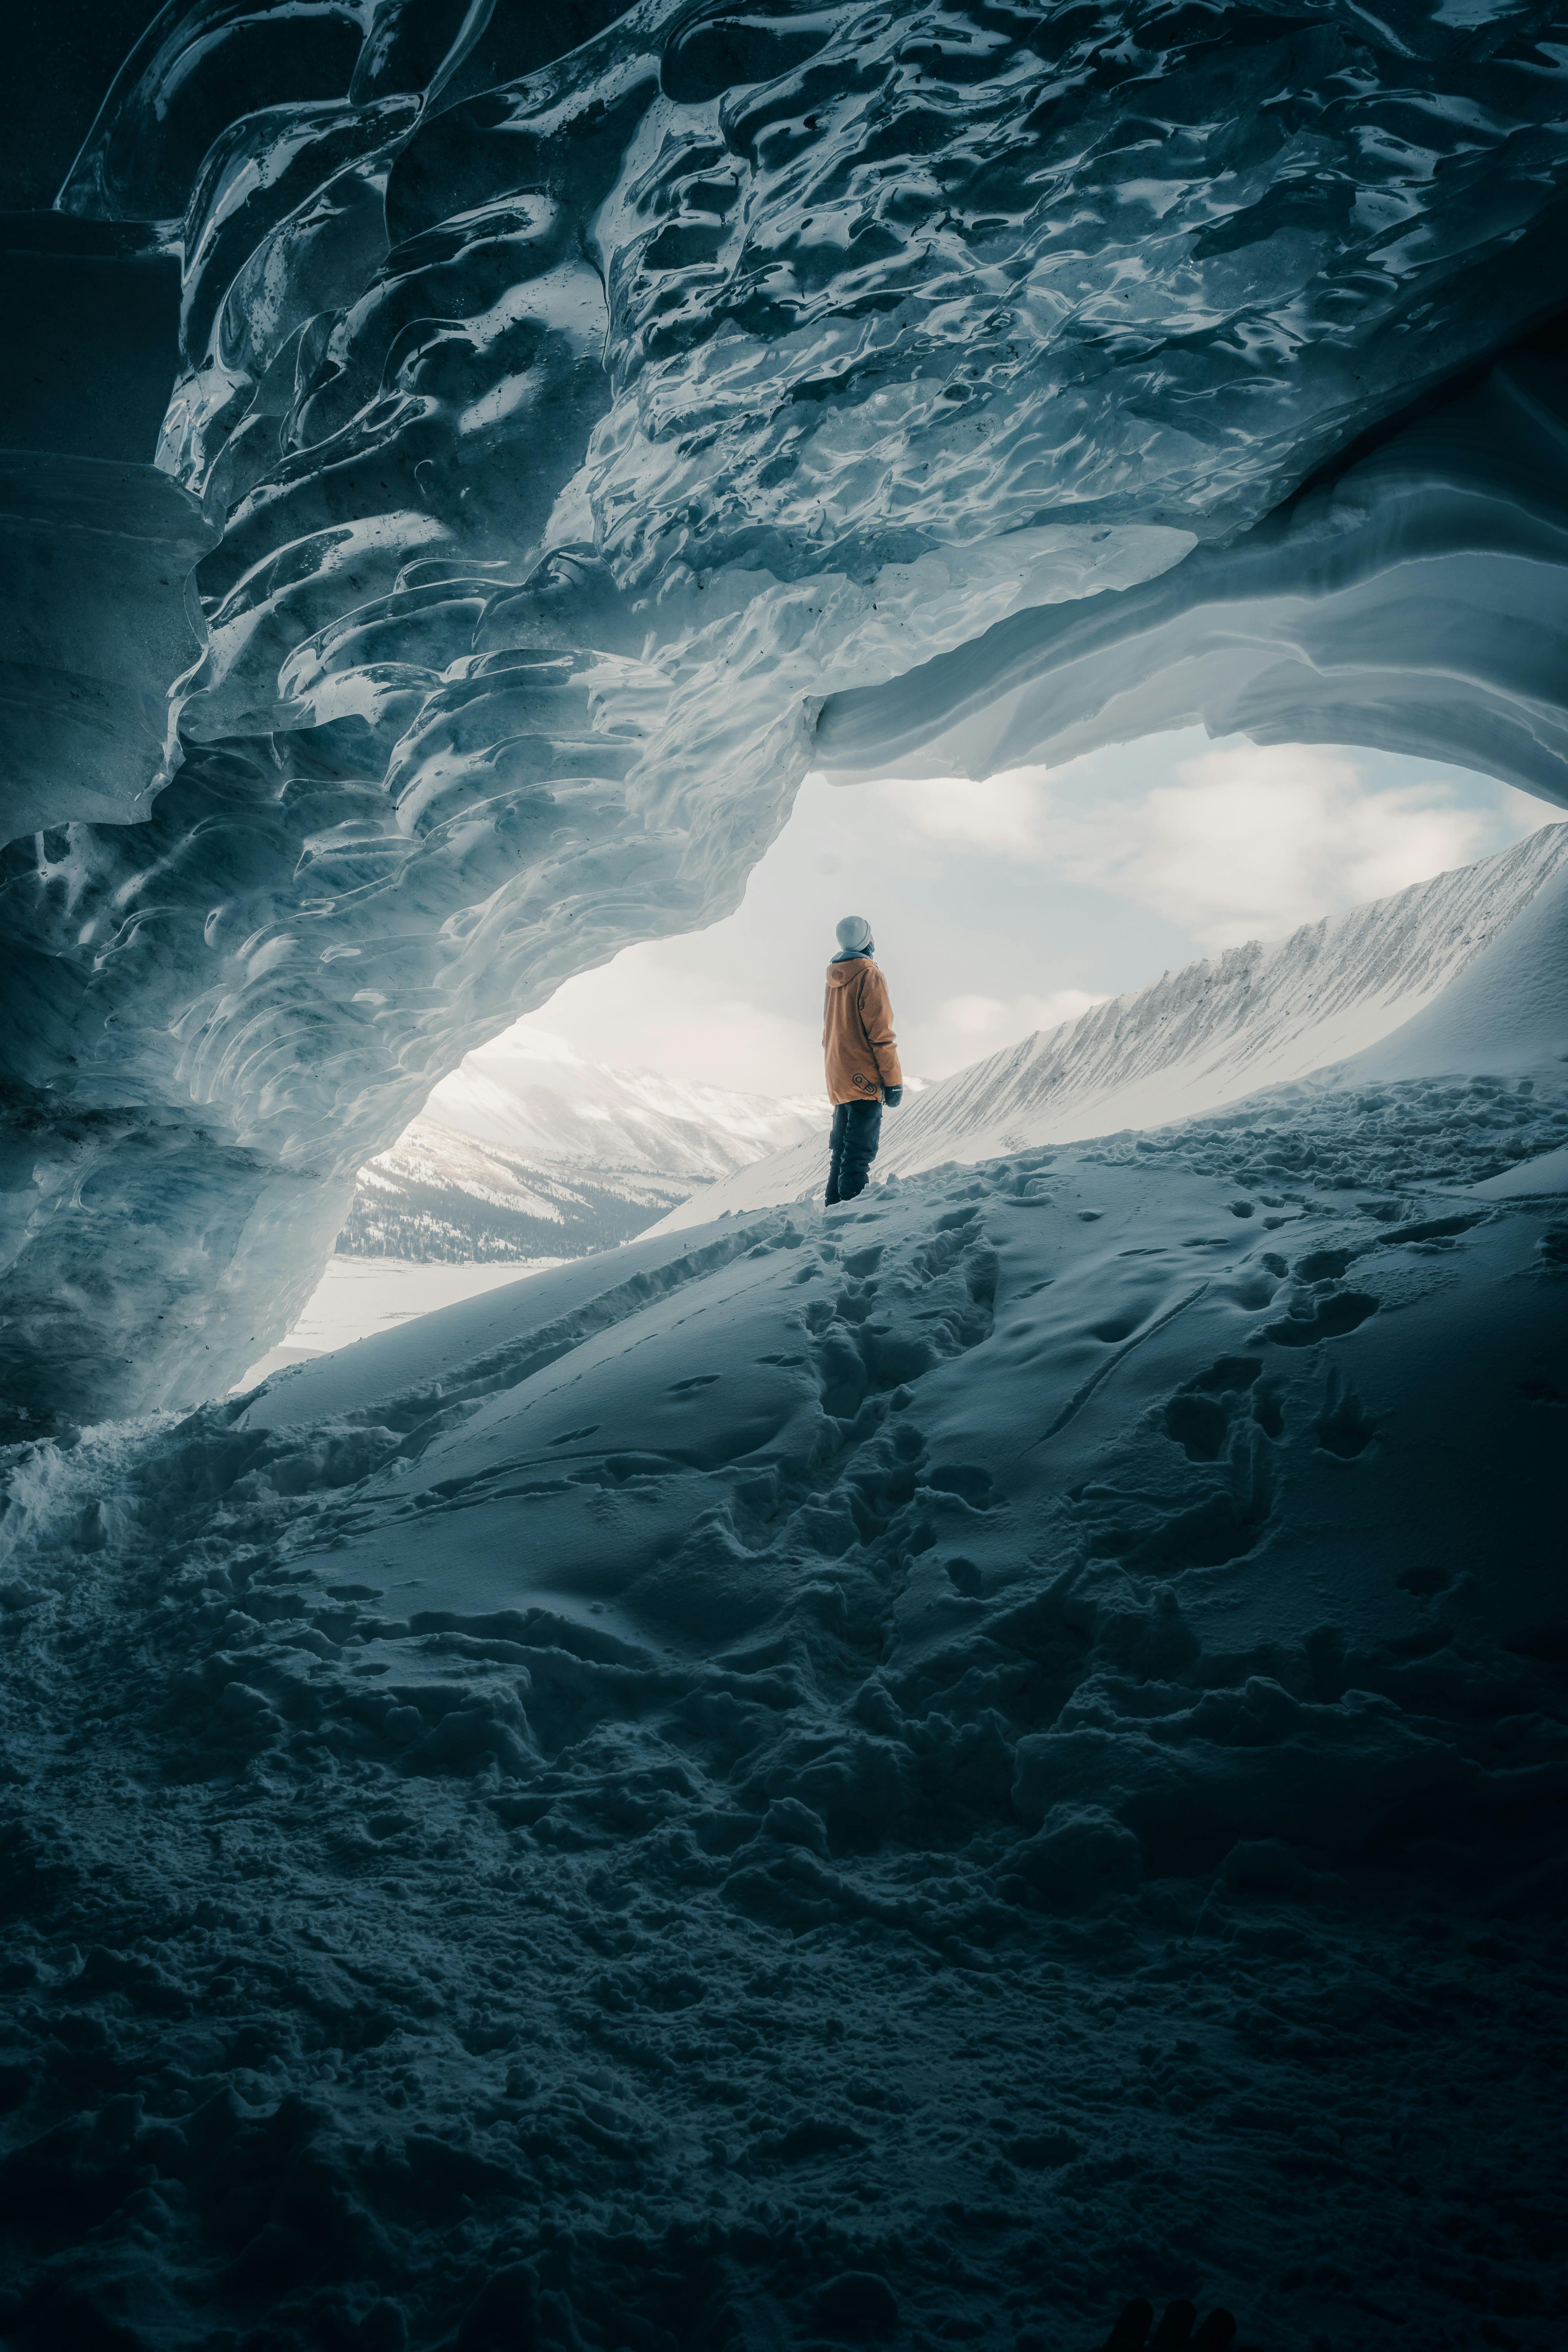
[1007, 907]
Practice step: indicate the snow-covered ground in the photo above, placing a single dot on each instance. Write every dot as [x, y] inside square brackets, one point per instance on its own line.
[358, 1297]
[1198, 1038]
[1005, 1742]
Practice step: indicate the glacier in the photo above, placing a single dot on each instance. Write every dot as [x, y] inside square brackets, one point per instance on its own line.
[917, 1773]
[571, 417]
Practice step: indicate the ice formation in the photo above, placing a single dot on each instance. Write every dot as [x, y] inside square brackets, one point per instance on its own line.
[579, 401]
[1415, 599]
[1200, 1038]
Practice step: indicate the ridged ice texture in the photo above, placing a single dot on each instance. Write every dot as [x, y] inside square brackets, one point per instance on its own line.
[1257, 1016]
[1417, 601]
[573, 435]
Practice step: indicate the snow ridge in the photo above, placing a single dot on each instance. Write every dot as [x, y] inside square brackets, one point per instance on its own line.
[1208, 1034]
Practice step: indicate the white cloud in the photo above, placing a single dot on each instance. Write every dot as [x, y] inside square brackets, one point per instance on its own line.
[1248, 842]
[1000, 815]
[653, 1008]
[1524, 813]
[1251, 841]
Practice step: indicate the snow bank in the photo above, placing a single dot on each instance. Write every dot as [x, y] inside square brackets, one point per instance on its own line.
[947, 1743]
[1508, 1010]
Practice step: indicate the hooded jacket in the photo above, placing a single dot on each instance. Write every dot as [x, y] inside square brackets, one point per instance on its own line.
[857, 1038]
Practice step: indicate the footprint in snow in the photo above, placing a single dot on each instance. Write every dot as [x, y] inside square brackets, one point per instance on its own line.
[1178, 2331]
[1330, 1318]
[1344, 1427]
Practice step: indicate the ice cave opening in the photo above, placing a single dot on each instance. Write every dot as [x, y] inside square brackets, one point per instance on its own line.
[924, 1772]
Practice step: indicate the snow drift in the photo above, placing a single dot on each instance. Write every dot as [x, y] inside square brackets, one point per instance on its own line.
[582, 402]
[1220, 1030]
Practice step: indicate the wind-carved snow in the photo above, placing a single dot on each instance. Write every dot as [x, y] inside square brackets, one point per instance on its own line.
[573, 436]
[1257, 1016]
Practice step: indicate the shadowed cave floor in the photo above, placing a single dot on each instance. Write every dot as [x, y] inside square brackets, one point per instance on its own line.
[993, 1738]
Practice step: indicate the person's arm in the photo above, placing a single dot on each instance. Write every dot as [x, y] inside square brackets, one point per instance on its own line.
[877, 1020]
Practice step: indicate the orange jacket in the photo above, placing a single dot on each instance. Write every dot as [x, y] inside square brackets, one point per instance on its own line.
[857, 1033]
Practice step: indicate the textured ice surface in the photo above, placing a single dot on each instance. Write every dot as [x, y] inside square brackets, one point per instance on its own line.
[1254, 1017]
[577, 418]
[1416, 601]
[991, 1741]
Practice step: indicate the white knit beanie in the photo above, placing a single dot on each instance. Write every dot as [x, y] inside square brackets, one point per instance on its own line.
[854, 935]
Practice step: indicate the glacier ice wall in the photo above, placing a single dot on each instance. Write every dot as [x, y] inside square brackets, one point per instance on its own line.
[578, 399]
[1414, 601]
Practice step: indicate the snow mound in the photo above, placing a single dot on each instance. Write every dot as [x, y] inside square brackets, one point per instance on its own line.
[1254, 1017]
[1507, 1011]
[930, 1744]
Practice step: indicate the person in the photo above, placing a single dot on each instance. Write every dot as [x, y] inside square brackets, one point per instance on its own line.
[862, 1057]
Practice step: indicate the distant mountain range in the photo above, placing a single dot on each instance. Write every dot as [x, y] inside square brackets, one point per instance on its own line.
[1208, 1034]
[529, 1151]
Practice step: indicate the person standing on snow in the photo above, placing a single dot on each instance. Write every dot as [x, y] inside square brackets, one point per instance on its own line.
[862, 1056]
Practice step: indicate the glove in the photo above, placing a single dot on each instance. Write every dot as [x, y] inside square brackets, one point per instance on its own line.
[893, 1097]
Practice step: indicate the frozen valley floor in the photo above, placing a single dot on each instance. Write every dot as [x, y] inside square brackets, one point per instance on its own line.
[1004, 1739]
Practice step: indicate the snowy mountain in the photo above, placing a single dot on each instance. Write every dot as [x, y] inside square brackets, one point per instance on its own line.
[529, 1150]
[1208, 1034]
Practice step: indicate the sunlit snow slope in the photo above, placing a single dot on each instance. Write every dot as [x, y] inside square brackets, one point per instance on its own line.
[1198, 1038]
[530, 1150]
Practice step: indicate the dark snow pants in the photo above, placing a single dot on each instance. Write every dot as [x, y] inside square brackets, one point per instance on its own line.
[852, 1141]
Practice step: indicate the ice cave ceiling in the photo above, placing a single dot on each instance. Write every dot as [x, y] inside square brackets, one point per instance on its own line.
[464, 463]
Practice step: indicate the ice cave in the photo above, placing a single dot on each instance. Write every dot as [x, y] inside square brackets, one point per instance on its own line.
[989, 1769]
